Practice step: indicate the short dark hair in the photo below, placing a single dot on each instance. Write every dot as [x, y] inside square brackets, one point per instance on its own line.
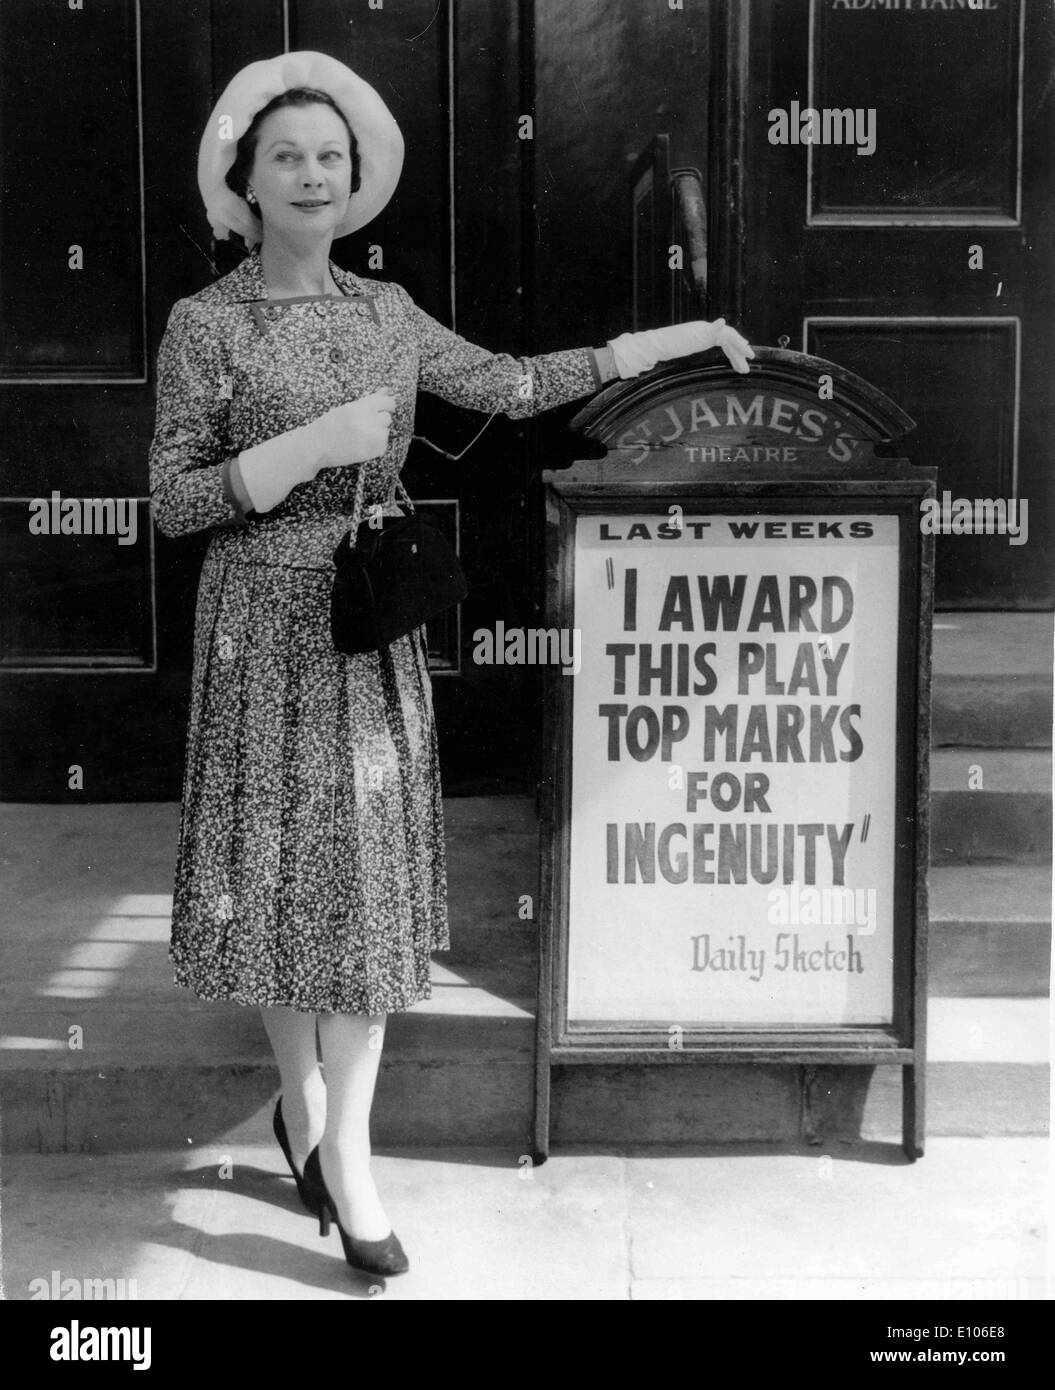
[237, 177]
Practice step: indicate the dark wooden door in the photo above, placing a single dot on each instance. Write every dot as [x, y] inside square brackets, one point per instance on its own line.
[99, 113]
[101, 230]
[927, 265]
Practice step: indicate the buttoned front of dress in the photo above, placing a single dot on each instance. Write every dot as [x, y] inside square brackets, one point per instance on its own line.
[305, 357]
[311, 867]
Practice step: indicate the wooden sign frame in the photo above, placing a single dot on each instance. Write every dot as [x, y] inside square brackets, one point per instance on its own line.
[872, 485]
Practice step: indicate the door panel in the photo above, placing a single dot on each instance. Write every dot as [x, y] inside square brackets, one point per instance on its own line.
[57, 323]
[944, 154]
[975, 430]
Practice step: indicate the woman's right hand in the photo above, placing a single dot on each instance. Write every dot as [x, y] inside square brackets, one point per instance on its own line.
[349, 433]
[352, 432]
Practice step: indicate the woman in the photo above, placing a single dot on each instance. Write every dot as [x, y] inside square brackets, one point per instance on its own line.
[310, 876]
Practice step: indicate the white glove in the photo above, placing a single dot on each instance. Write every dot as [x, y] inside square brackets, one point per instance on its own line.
[349, 433]
[639, 352]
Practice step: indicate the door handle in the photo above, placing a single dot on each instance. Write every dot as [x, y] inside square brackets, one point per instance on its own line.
[687, 187]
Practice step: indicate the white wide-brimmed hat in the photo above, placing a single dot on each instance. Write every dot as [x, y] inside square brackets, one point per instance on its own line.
[373, 125]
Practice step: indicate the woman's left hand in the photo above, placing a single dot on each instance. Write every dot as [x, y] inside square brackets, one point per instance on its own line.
[639, 352]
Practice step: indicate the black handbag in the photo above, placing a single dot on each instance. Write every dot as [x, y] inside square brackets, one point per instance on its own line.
[391, 580]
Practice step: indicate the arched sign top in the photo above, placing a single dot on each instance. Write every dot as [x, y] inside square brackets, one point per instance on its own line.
[790, 408]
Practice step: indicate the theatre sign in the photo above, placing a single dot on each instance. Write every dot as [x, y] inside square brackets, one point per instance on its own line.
[699, 424]
[735, 818]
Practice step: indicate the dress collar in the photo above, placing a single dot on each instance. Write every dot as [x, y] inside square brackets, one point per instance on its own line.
[246, 283]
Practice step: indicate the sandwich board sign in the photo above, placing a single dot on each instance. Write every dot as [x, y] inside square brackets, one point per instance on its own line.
[735, 801]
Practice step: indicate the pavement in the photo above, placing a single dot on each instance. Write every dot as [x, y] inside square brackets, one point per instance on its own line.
[966, 1222]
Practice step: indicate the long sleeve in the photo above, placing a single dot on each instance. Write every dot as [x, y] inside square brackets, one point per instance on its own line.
[191, 461]
[470, 376]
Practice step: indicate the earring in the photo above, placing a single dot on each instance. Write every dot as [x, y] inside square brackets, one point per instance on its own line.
[250, 196]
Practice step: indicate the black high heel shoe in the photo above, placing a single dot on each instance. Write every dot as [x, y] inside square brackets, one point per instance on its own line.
[381, 1257]
[309, 1195]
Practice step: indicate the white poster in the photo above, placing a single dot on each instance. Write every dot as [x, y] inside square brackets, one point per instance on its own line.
[732, 829]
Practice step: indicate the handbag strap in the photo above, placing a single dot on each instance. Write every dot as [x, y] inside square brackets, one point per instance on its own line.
[357, 506]
[406, 494]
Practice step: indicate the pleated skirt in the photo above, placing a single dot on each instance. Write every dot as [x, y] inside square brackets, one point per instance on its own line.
[311, 865]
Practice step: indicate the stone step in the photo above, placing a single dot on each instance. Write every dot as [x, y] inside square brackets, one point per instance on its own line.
[1007, 818]
[990, 930]
[992, 680]
[460, 1067]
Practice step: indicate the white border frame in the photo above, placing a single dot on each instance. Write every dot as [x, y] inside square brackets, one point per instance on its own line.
[995, 320]
[917, 219]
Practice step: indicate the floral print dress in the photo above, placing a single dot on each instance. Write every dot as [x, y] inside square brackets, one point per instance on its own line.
[310, 868]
